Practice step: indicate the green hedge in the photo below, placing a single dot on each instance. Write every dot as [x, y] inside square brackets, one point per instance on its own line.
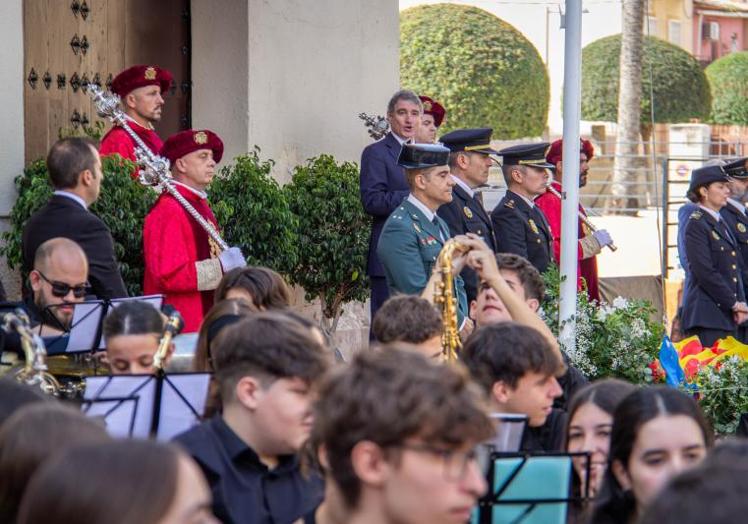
[681, 90]
[333, 234]
[122, 205]
[728, 78]
[479, 67]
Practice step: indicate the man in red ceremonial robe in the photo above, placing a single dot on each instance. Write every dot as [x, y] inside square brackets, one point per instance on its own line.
[590, 244]
[181, 260]
[141, 89]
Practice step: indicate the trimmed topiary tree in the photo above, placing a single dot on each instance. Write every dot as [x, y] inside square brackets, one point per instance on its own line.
[253, 213]
[728, 78]
[122, 205]
[681, 90]
[484, 71]
[333, 235]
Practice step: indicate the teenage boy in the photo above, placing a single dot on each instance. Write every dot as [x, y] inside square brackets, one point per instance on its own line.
[517, 368]
[267, 367]
[397, 435]
[412, 320]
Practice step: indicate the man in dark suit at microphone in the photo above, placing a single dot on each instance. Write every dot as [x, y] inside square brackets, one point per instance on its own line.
[75, 173]
[382, 182]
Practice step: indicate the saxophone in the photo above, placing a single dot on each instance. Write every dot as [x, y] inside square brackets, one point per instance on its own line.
[444, 298]
[34, 372]
[173, 326]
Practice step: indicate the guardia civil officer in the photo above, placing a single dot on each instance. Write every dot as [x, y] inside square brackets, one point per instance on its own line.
[469, 162]
[414, 235]
[734, 215]
[520, 227]
[714, 302]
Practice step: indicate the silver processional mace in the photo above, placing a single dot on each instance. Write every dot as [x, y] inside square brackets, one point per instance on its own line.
[155, 169]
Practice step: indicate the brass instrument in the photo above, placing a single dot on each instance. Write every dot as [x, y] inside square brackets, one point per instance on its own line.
[34, 372]
[582, 216]
[444, 298]
[155, 169]
[174, 325]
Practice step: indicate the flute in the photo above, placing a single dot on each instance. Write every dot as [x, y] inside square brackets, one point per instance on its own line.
[582, 216]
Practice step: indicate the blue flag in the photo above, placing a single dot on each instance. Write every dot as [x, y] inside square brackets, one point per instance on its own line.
[674, 375]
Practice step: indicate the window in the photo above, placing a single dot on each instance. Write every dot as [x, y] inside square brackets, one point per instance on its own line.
[650, 29]
[673, 32]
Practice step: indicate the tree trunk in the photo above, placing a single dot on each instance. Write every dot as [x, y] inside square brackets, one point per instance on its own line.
[629, 105]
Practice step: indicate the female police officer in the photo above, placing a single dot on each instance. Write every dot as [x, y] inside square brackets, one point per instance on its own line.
[715, 300]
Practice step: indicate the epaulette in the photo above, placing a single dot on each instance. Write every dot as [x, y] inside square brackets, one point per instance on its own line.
[509, 204]
[696, 215]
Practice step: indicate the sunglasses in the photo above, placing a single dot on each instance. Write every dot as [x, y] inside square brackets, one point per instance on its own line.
[61, 289]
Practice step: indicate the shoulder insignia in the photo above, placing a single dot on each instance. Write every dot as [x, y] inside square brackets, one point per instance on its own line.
[715, 235]
[696, 215]
[467, 212]
[533, 226]
[509, 203]
[416, 227]
[741, 227]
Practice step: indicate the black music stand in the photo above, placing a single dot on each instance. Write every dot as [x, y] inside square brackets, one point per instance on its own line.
[529, 488]
[166, 406]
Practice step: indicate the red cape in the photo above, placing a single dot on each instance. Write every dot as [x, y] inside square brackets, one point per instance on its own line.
[118, 141]
[550, 205]
[173, 242]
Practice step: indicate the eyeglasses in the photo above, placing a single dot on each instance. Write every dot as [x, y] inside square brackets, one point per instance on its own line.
[61, 289]
[455, 463]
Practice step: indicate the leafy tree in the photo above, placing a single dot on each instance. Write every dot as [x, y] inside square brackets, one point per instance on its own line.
[728, 78]
[122, 205]
[484, 71]
[253, 213]
[680, 88]
[333, 235]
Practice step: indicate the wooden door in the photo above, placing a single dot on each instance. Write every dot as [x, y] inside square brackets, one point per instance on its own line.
[69, 44]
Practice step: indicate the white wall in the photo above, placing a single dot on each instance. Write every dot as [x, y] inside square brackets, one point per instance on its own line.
[601, 19]
[291, 76]
[12, 78]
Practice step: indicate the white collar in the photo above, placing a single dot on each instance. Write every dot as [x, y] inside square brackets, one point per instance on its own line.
[72, 196]
[421, 207]
[715, 215]
[131, 119]
[463, 185]
[197, 192]
[737, 205]
[400, 139]
[523, 197]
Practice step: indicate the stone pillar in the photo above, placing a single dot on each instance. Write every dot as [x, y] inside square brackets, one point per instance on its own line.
[11, 132]
[291, 76]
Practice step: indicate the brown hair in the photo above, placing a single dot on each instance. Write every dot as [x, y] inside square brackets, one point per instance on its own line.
[505, 352]
[68, 158]
[220, 316]
[269, 346]
[386, 397]
[406, 318]
[31, 436]
[126, 481]
[14, 395]
[529, 276]
[267, 288]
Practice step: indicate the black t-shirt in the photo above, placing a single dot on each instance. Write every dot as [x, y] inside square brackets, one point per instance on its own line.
[549, 436]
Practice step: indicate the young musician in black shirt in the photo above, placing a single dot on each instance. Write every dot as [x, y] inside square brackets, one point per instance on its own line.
[266, 366]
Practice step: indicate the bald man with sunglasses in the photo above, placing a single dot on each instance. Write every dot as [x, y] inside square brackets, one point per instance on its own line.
[58, 281]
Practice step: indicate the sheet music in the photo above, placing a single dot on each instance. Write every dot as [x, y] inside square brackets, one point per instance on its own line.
[140, 387]
[509, 431]
[84, 327]
[118, 415]
[177, 415]
[183, 398]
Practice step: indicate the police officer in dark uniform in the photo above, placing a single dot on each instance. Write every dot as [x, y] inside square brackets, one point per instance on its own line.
[715, 297]
[735, 216]
[520, 227]
[469, 162]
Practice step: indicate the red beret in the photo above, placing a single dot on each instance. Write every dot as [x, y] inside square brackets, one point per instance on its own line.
[185, 142]
[139, 76]
[433, 108]
[555, 152]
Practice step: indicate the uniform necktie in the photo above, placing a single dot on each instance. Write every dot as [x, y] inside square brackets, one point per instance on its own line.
[435, 221]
